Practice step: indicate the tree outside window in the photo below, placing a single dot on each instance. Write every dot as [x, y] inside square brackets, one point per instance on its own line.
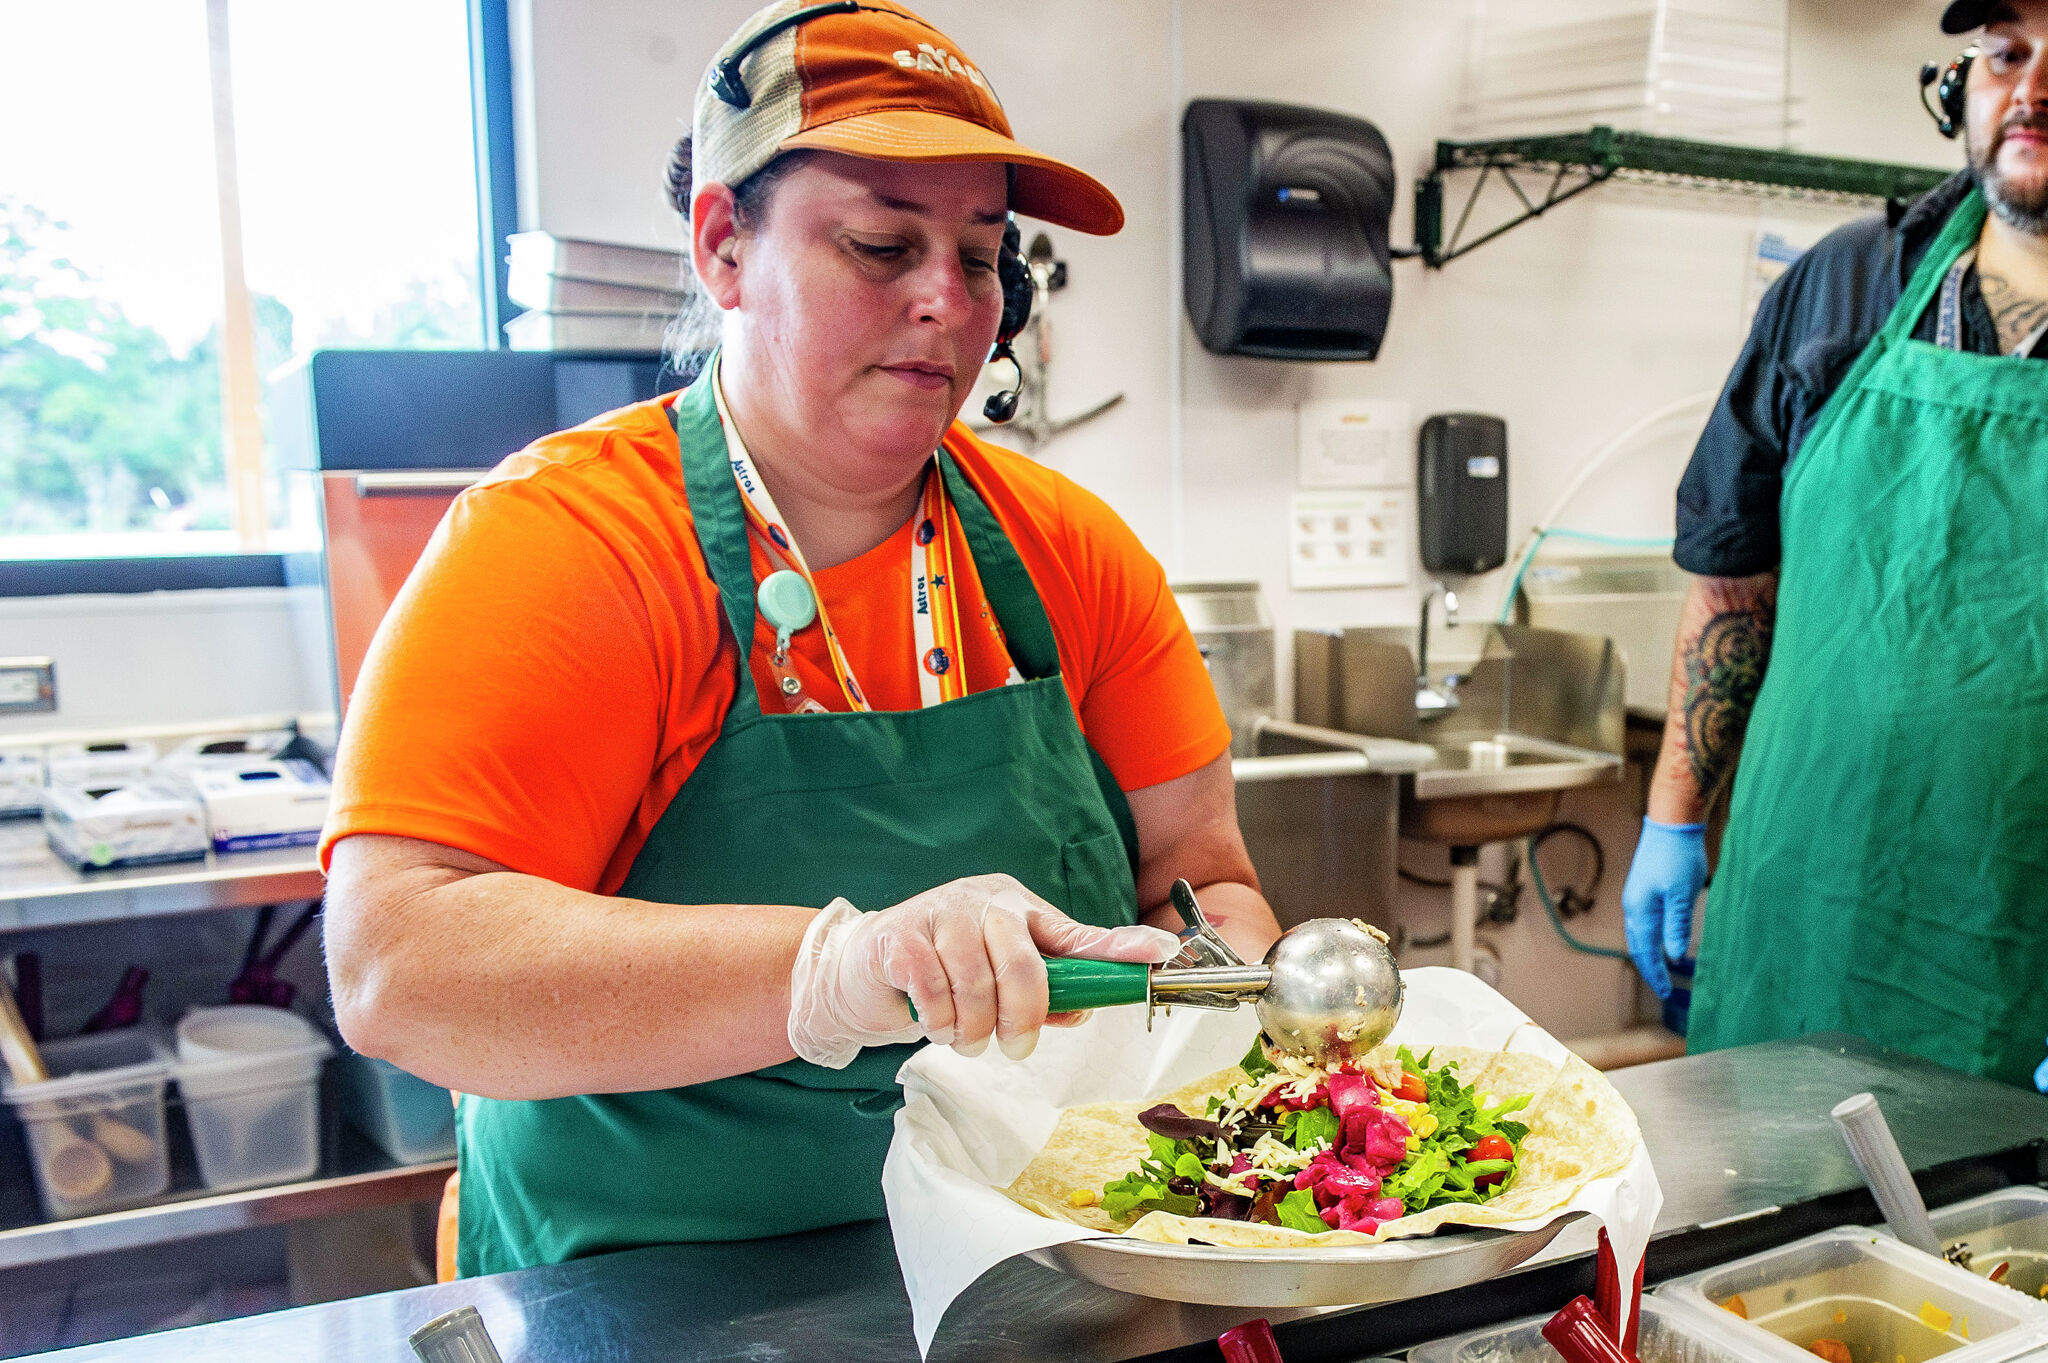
[350, 210]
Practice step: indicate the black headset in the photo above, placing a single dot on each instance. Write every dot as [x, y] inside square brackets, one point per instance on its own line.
[1950, 96]
[1011, 271]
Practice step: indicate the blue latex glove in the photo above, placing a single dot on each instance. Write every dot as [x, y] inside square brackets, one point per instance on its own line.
[2041, 1077]
[1656, 902]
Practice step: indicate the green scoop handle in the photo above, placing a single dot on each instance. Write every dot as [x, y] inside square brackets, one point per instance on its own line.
[1074, 984]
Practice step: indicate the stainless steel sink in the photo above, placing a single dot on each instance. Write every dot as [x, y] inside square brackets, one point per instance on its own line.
[1497, 763]
[1537, 712]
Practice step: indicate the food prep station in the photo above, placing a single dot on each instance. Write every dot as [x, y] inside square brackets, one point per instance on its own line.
[1748, 1157]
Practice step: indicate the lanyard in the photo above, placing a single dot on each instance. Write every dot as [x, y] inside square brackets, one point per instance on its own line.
[1948, 323]
[934, 610]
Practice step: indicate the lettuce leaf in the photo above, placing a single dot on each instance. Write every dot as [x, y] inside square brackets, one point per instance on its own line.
[1298, 1209]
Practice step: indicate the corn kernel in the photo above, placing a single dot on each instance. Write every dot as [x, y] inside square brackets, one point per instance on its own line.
[1083, 1197]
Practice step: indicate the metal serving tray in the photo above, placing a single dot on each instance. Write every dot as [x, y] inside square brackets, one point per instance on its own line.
[1210, 1275]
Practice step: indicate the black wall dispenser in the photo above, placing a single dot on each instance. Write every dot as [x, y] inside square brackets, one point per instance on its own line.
[1286, 213]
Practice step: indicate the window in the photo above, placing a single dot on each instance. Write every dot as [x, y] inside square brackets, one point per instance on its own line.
[144, 297]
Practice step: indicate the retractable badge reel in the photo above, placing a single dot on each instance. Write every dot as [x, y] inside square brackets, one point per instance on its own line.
[787, 605]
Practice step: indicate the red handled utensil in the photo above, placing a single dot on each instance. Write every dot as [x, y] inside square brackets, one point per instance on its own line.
[1580, 1335]
[1253, 1342]
[1607, 1295]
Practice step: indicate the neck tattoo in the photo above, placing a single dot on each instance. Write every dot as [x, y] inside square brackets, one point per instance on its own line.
[2013, 312]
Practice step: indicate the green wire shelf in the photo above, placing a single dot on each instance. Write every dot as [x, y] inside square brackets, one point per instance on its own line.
[1576, 162]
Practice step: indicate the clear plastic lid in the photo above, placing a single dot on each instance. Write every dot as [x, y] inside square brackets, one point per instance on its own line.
[85, 1065]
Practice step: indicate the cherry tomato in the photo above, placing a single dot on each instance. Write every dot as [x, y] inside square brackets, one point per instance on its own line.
[1490, 1147]
[1411, 1088]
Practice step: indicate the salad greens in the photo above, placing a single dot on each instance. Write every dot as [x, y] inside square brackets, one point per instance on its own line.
[1317, 1150]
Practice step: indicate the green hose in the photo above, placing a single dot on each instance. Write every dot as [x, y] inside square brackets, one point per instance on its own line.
[1557, 920]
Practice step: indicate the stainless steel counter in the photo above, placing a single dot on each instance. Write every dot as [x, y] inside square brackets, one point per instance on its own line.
[1740, 1138]
[42, 891]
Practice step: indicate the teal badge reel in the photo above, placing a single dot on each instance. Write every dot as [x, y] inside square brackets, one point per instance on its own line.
[788, 605]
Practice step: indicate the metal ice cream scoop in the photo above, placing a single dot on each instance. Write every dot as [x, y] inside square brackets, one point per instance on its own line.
[1328, 991]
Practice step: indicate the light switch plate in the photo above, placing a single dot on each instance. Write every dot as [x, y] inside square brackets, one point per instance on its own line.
[27, 684]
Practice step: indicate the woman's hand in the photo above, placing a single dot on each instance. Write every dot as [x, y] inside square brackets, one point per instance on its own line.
[969, 955]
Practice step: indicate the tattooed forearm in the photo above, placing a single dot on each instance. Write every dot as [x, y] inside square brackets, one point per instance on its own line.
[1723, 669]
[2012, 311]
[1724, 643]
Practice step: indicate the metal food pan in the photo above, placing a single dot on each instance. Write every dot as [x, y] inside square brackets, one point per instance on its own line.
[1349, 1275]
[1887, 1303]
[1671, 1333]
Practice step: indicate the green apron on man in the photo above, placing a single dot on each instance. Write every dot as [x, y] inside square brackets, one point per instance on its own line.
[799, 809]
[1885, 870]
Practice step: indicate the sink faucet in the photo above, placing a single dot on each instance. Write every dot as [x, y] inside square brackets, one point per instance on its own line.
[1429, 701]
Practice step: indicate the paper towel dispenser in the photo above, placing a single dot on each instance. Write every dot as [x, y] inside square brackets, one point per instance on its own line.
[1286, 212]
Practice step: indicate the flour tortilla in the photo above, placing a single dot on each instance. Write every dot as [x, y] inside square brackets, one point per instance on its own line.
[1579, 1130]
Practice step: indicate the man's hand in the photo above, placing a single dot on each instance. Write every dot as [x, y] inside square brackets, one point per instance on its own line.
[1665, 878]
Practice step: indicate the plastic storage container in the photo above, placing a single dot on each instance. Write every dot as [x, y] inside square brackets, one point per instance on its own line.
[250, 1078]
[410, 1119]
[96, 1127]
[2007, 1227]
[1671, 1333]
[1887, 1303]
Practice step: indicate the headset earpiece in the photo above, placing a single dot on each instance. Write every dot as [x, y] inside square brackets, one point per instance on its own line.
[1015, 276]
[1951, 94]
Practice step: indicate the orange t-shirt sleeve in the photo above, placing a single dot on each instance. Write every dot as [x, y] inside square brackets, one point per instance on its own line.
[518, 696]
[1148, 706]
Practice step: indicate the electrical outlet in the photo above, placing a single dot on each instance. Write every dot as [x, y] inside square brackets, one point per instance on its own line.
[27, 684]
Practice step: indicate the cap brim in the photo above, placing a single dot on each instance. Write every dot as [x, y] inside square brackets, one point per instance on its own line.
[1964, 15]
[1046, 188]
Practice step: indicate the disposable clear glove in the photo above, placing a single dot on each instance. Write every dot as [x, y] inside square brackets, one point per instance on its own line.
[967, 953]
[1665, 878]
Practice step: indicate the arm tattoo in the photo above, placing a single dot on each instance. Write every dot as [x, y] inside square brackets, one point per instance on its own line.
[2012, 312]
[1723, 670]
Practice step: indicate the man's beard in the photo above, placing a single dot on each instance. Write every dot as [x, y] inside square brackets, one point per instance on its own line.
[2023, 208]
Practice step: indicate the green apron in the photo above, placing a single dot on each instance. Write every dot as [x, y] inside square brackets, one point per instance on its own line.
[798, 809]
[1885, 870]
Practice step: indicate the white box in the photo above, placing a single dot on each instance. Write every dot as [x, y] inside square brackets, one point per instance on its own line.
[263, 804]
[21, 781]
[221, 752]
[114, 763]
[95, 827]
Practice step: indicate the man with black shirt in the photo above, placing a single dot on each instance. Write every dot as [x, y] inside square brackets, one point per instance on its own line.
[1867, 516]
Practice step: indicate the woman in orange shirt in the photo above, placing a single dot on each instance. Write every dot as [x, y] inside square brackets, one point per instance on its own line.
[711, 735]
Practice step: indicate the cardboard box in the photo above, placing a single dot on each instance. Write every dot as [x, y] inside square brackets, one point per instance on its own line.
[21, 781]
[263, 804]
[115, 763]
[221, 752]
[98, 827]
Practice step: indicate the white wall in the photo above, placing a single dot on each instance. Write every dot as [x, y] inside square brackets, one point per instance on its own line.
[1571, 327]
[164, 658]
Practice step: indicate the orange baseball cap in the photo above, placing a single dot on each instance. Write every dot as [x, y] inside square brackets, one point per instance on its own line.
[870, 78]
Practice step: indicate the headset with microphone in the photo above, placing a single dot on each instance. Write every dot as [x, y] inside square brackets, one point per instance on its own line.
[1950, 96]
[730, 85]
